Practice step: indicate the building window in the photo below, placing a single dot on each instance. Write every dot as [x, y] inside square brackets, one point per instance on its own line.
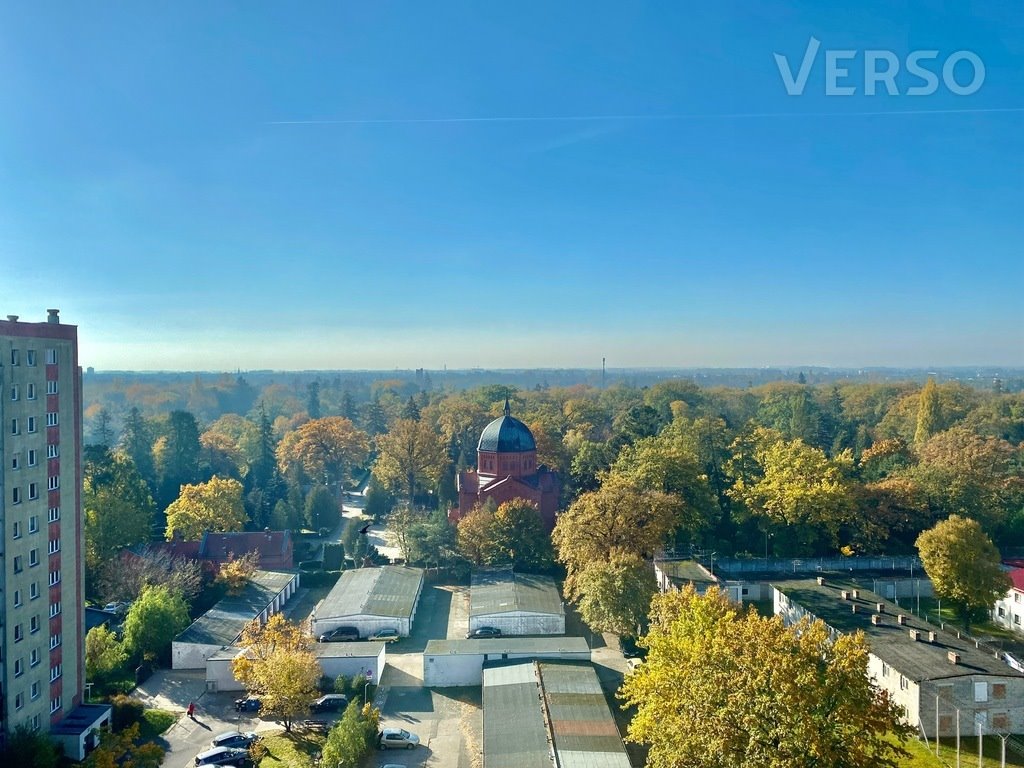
[53, 482]
[33, 523]
[14, 357]
[904, 683]
[980, 692]
[51, 419]
[54, 609]
[14, 427]
[14, 392]
[53, 515]
[31, 394]
[30, 357]
[54, 546]
[998, 690]
[52, 451]
[54, 704]
[55, 641]
[17, 598]
[33, 590]
[51, 387]
[51, 357]
[16, 495]
[33, 491]
[1001, 721]
[15, 461]
[35, 722]
[19, 668]
[35, 690]
[34, 658]
[33, 457]
[1016, 597]
[33, 626]
[54, 578]
[19, 701]
[56, 671]
[31, 424]
[33, 558]
[17, 564]
[16, 530]
[18, 634]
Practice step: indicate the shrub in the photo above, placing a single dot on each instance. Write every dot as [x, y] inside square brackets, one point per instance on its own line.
[126, 712]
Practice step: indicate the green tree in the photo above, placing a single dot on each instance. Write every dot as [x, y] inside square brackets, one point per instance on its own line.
[519, 538]
[26, 748]
[615, 596]
[279, 666]
[322, 510]
[137, 443]
[929, 413]
[432, 541]
[212, 506]
[352, 737]
[152, 622]
[474, 535]
[727, 690]
[103, 653]
[963, 565]
[119, 510]
[410, 454]
[177, 453]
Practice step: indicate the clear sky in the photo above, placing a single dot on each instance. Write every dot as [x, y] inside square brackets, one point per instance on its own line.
[214, 185]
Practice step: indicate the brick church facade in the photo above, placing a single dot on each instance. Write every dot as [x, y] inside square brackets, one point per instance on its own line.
[507, 469]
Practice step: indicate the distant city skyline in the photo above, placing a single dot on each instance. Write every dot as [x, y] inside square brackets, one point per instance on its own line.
[362, 186]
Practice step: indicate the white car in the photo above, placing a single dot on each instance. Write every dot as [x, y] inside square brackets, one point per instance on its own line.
[397, 738]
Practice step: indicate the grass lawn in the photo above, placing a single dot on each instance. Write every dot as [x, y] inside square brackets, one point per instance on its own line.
[154, 722]
[923, 756]
[291, 750]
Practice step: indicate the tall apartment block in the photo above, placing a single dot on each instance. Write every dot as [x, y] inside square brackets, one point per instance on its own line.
[42, 636]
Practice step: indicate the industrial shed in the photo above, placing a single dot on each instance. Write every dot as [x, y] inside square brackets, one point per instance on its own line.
[515, 603]
[560, 713]
[348, 659]
[264, 595]
[370, 599]
[448, 663]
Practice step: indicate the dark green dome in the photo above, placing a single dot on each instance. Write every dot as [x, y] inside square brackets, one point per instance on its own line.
[506, 435]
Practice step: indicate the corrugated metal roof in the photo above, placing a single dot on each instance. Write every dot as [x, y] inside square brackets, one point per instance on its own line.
[222, 624]
[502, 591]
[556, 706]
[387, 591]
[686, 571]
[497, 645]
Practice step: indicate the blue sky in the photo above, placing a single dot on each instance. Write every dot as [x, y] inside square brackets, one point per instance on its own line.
[253, 185]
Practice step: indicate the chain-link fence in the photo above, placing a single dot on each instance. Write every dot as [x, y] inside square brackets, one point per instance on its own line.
[971, 718]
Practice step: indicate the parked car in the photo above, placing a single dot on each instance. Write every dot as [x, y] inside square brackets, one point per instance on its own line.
[629, 648]
[483, 632]
[385, 635]
[397, 738]
[332, 702]
[234, 740]
[119, 608]
[222, 756]
[248, 704]
[340, 635]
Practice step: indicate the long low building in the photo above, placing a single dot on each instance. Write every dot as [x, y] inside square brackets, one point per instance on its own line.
[548, 714]
[221, 626]
[336, 659]
[515, 603]
[449, 663]
[921, 666]
[371, 599]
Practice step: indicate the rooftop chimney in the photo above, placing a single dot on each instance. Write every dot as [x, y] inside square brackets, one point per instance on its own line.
[854, 608]
[953, 656]
[13, 318]
[876, 619]
[932, 637]
[844, 595]
[915, 635]
[856, 594]
[880, 607]
[53, 315]
[901, 619]
[821, 581]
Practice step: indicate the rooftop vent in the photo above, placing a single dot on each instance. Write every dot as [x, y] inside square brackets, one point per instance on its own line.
[821, 581]
[854, 608]
[876, 619]
[844, 595]
[954, 657]
[856, 594]
[915, 635]
[13, 318]
[880, 607]
[53, 315]
[901, 619]
[932, 637]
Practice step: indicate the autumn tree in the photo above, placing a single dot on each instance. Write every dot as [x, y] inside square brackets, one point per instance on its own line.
[615, 596]
[124, 749]
[236, 573]
[153, 621]
[215, 505]
[519, 538]
[118, 507]
[327, 449]
[410, 454]
[725, 689]
[473, 534]
[963, 565]
[929, 413]
[278, 665]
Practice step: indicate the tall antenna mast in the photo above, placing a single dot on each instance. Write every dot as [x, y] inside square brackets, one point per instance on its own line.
[602, 373]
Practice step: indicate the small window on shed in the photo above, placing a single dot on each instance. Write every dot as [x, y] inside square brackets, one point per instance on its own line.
[981, 692]
[998, 690]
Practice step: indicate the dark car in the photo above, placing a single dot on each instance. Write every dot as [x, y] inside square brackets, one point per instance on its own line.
[483, 632]
[332, 702]
[248, 704]
[234, 740]
[222, 756]
[630, 649]
[340, 635]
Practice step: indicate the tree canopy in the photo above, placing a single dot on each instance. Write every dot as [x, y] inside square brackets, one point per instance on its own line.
[153, 620]
[725, 689]
[410, 454]
[215, 505]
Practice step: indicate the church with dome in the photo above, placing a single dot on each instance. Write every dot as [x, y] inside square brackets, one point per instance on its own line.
[506, 469]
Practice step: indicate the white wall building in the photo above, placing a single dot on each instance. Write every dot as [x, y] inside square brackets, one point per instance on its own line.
[348, 659]
[461, 662]
[371, 599]
[1009, 609]
[515, 603]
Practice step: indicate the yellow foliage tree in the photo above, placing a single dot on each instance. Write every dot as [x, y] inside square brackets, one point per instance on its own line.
[326, 448]
[215, 505]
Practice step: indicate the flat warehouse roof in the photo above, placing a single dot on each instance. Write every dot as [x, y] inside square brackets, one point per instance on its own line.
[387, 591]
[890, 641]
[502, 591]
[222, 624]
[492, 645]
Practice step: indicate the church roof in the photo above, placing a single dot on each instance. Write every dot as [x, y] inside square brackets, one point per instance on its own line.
[506, 435]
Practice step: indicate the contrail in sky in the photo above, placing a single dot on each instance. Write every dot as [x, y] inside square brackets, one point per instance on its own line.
[641, 118]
